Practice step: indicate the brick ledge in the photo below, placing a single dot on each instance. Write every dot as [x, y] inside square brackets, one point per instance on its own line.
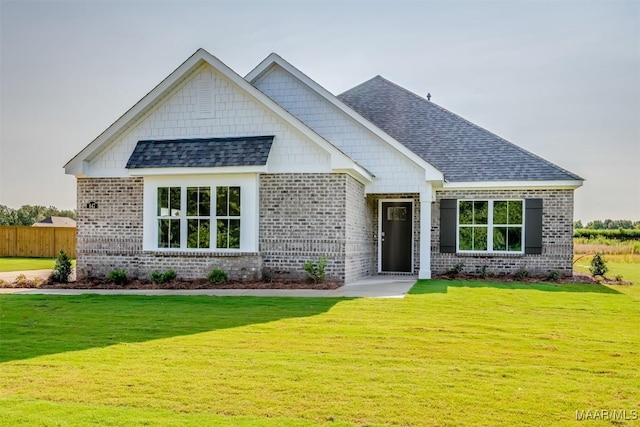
[190, 254]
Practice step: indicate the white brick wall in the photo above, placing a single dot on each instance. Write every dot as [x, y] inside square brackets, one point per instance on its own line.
[394, 172]
[234, 114]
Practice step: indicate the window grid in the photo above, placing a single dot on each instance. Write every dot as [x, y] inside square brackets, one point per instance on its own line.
[188, 216]
[488, 237]
[228, 217]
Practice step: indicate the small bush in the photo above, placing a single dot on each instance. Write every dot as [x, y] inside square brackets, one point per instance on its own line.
[619, 278]
[167, 276]
[554, 275]
[118, 276]
[21, 280]
[217, 276]
[62, 269]
[315, 270]
[483, 271]
[456, 269]
[521, 273]
[598, 266]
[267, 275]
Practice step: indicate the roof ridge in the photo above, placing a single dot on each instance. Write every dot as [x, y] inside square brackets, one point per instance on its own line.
[378, 76]
[476, 126]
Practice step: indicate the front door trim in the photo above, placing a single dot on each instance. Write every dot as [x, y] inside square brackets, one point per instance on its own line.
[380, 215]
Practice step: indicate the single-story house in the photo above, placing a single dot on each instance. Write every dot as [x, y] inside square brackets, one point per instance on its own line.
[56, 221]
[213, 170]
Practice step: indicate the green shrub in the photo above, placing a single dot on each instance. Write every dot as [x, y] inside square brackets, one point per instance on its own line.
[554, 275]
[598, 265]
[62, 269]
[267, 275]
[521, 273]
[118, 276]
[456, 269]
[167, 276]
[315, 270]
[483, 271]
[217, 276]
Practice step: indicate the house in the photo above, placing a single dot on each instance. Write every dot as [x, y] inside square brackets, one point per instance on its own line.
[55, 221]
[213, 170]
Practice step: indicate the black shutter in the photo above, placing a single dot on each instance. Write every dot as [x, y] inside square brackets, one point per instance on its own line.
[448, 225]
[533, 226]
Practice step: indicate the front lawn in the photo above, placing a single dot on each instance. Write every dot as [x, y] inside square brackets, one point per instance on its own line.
[450, 353]
[24, 264]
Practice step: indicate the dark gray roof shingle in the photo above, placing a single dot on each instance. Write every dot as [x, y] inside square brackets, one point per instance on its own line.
[461, 150]
[201, 152]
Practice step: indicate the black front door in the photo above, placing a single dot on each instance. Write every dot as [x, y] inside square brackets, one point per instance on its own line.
[396, 236]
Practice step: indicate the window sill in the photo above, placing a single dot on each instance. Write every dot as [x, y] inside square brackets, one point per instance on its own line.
[490, 254]
[198, 254]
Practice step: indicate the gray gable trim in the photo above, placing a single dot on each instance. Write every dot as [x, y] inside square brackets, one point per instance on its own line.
[463, 151]
[201, 152]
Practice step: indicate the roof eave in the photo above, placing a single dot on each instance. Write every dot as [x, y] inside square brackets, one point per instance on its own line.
[570, 184]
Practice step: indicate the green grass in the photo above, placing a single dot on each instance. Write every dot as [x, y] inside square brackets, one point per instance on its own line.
[451, 353]
[618, 265]
[23, 264]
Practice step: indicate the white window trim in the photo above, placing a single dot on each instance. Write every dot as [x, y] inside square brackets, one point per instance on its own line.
[490, 226]
[248, 184]
[413, 231]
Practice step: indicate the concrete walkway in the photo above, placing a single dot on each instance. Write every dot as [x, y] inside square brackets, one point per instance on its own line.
[29, 274]
[373, 287]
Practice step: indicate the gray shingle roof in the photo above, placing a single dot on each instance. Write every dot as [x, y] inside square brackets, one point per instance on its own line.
[462, 151]
[202, 152]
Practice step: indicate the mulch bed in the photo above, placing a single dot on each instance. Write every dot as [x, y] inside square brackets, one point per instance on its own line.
[278, 284]
[577, 277]
[174, 284]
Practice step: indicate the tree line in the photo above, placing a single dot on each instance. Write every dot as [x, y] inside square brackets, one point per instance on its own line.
[608, 224]
[29, 215]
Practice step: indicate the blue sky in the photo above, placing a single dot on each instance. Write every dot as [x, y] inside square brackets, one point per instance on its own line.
[561, 78]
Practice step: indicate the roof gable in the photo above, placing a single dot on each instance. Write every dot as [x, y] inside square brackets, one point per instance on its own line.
[274, 60]
[79, 165]
[463, 151]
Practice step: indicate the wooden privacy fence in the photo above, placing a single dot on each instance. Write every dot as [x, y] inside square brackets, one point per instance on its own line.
[37, 242]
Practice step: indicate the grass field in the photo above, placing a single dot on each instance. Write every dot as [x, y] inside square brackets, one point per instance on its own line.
[23, 264]
[622, 265]
[452, 353]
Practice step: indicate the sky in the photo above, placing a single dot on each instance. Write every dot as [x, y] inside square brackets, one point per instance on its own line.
[558, 78]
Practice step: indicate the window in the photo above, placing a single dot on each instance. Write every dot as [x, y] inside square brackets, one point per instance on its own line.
[228, 217]
[184, 217]
[198, 217]
[490, 226]
[168, 213]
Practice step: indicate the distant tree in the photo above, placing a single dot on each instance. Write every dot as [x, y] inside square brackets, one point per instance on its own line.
[7, 216]
[578, 224]
[29, 215]
[612, 224]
